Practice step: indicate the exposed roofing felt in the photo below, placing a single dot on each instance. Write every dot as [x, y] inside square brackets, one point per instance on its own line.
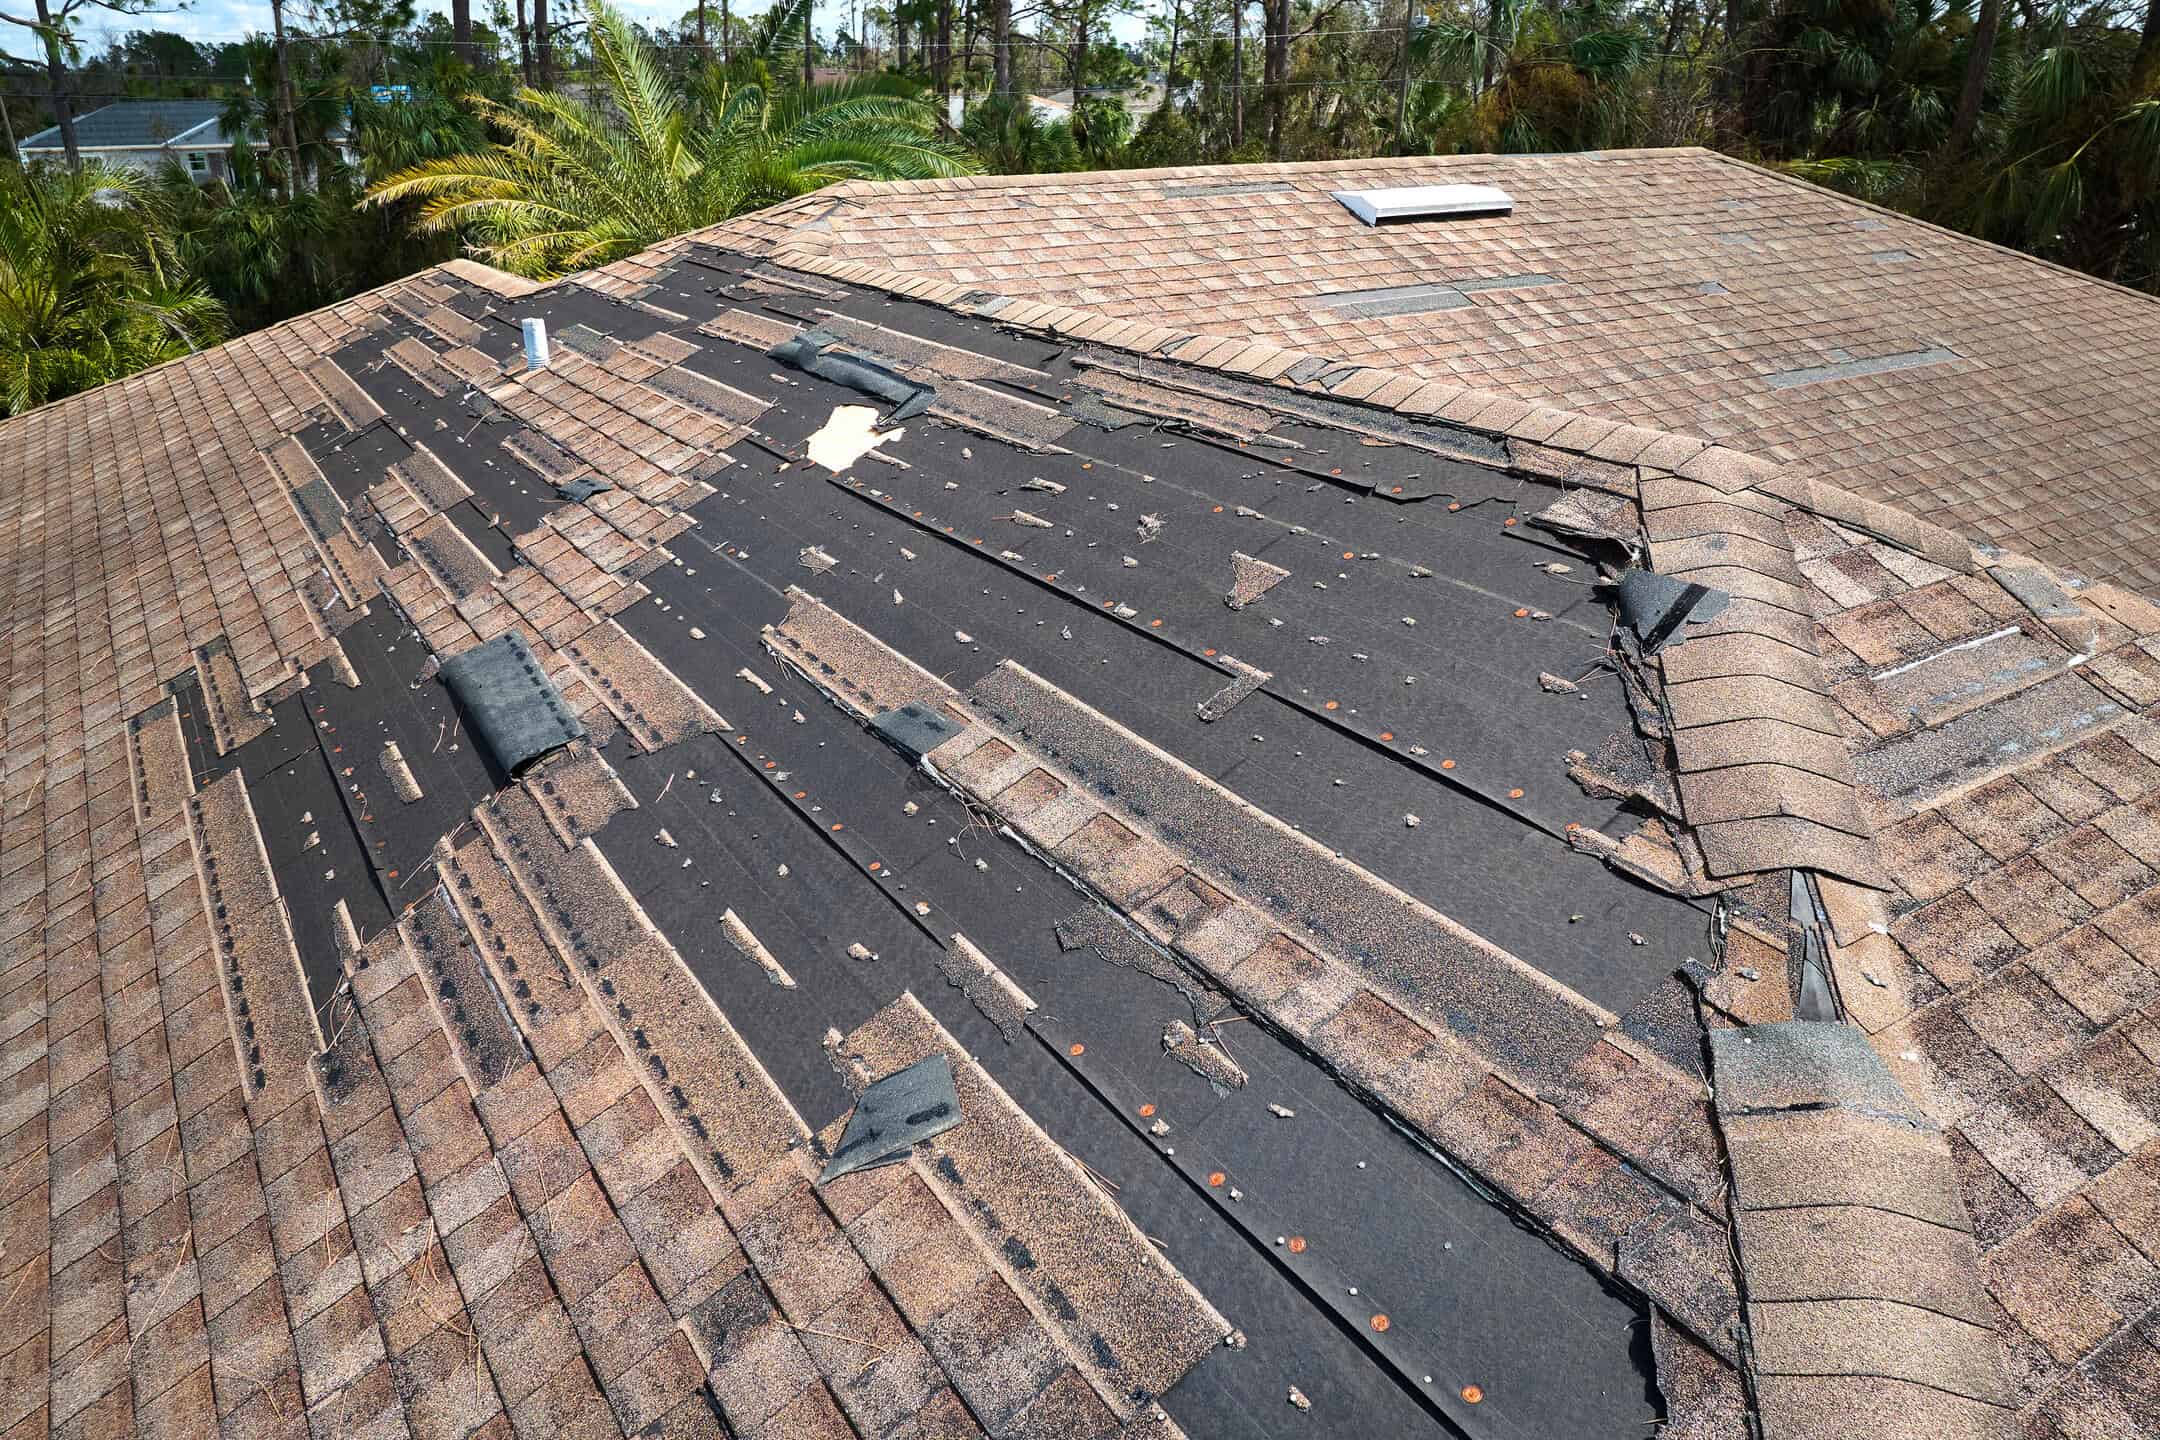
[1366, 974]
[1677, 288]
[135, 123]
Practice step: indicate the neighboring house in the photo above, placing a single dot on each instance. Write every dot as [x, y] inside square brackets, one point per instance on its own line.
[861, 854]
[142, 135]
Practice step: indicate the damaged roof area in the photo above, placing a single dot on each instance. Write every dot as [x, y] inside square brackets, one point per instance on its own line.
[1675, 288]
[859, 857]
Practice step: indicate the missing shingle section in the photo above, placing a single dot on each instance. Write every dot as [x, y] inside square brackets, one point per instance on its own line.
[587, 341]
[1852, 369]
[1231, 187]
[1422, 299]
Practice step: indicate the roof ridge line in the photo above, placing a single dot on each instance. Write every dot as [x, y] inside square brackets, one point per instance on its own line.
[2007, 251]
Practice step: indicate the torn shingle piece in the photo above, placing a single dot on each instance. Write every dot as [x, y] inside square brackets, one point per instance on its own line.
[848, 661]
[400, 775]
[708, 395]
[162, 776]
[578, 791]
[272, 1019]
[948, 362]
[1250, 579]
[988, 988]
[1222, 702]
[234, 720]
[652, 703]
[1208, 1060]
[549, 1007]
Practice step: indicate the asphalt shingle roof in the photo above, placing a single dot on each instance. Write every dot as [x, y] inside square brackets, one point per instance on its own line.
[1674, 288]
[349, 1084]
[131, 123]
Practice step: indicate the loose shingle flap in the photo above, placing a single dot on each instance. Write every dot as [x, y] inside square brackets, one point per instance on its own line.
[1803, 1065]
[515, 709]
[1656, 606]
[584, 488]
[893, 1114]
[807, 352]
[915, 728]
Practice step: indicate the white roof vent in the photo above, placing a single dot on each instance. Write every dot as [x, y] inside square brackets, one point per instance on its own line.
[1425, 202]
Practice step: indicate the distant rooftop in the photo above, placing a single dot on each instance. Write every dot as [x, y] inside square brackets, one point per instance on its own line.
[137, 124]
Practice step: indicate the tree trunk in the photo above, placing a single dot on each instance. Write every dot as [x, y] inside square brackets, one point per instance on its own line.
[524, 39]
[1169, 77]
[1001, 68]
[941, 56]
[461, 29]
[1402, 82]
[1492, 44]
[1237, 73]
[1275, 14]
[1079, 68]
[56, 78]
[1678, 18]
[285, 99]
[543, 46]
[2145, 66]
[1976, 71]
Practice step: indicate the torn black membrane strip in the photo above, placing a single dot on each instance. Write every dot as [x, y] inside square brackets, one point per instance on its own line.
[806, 352]
[516, 711]
[1656, 606]
[915, 729]
[893, 1115]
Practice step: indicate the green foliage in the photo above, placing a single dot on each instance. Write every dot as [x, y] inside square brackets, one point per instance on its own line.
[91, 286]
[1008, 137]
[574, 182]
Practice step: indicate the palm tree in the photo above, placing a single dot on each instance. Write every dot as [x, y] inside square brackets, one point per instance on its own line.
[90, 288]
[1546, 76]
[263, 254]
[579, 182]
[2077, 170]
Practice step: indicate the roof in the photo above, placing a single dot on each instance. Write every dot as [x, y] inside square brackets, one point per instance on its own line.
[139, 124]
[1679, 289]
[1335, 922]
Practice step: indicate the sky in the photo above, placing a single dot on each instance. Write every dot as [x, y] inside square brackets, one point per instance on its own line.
[219, 20]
